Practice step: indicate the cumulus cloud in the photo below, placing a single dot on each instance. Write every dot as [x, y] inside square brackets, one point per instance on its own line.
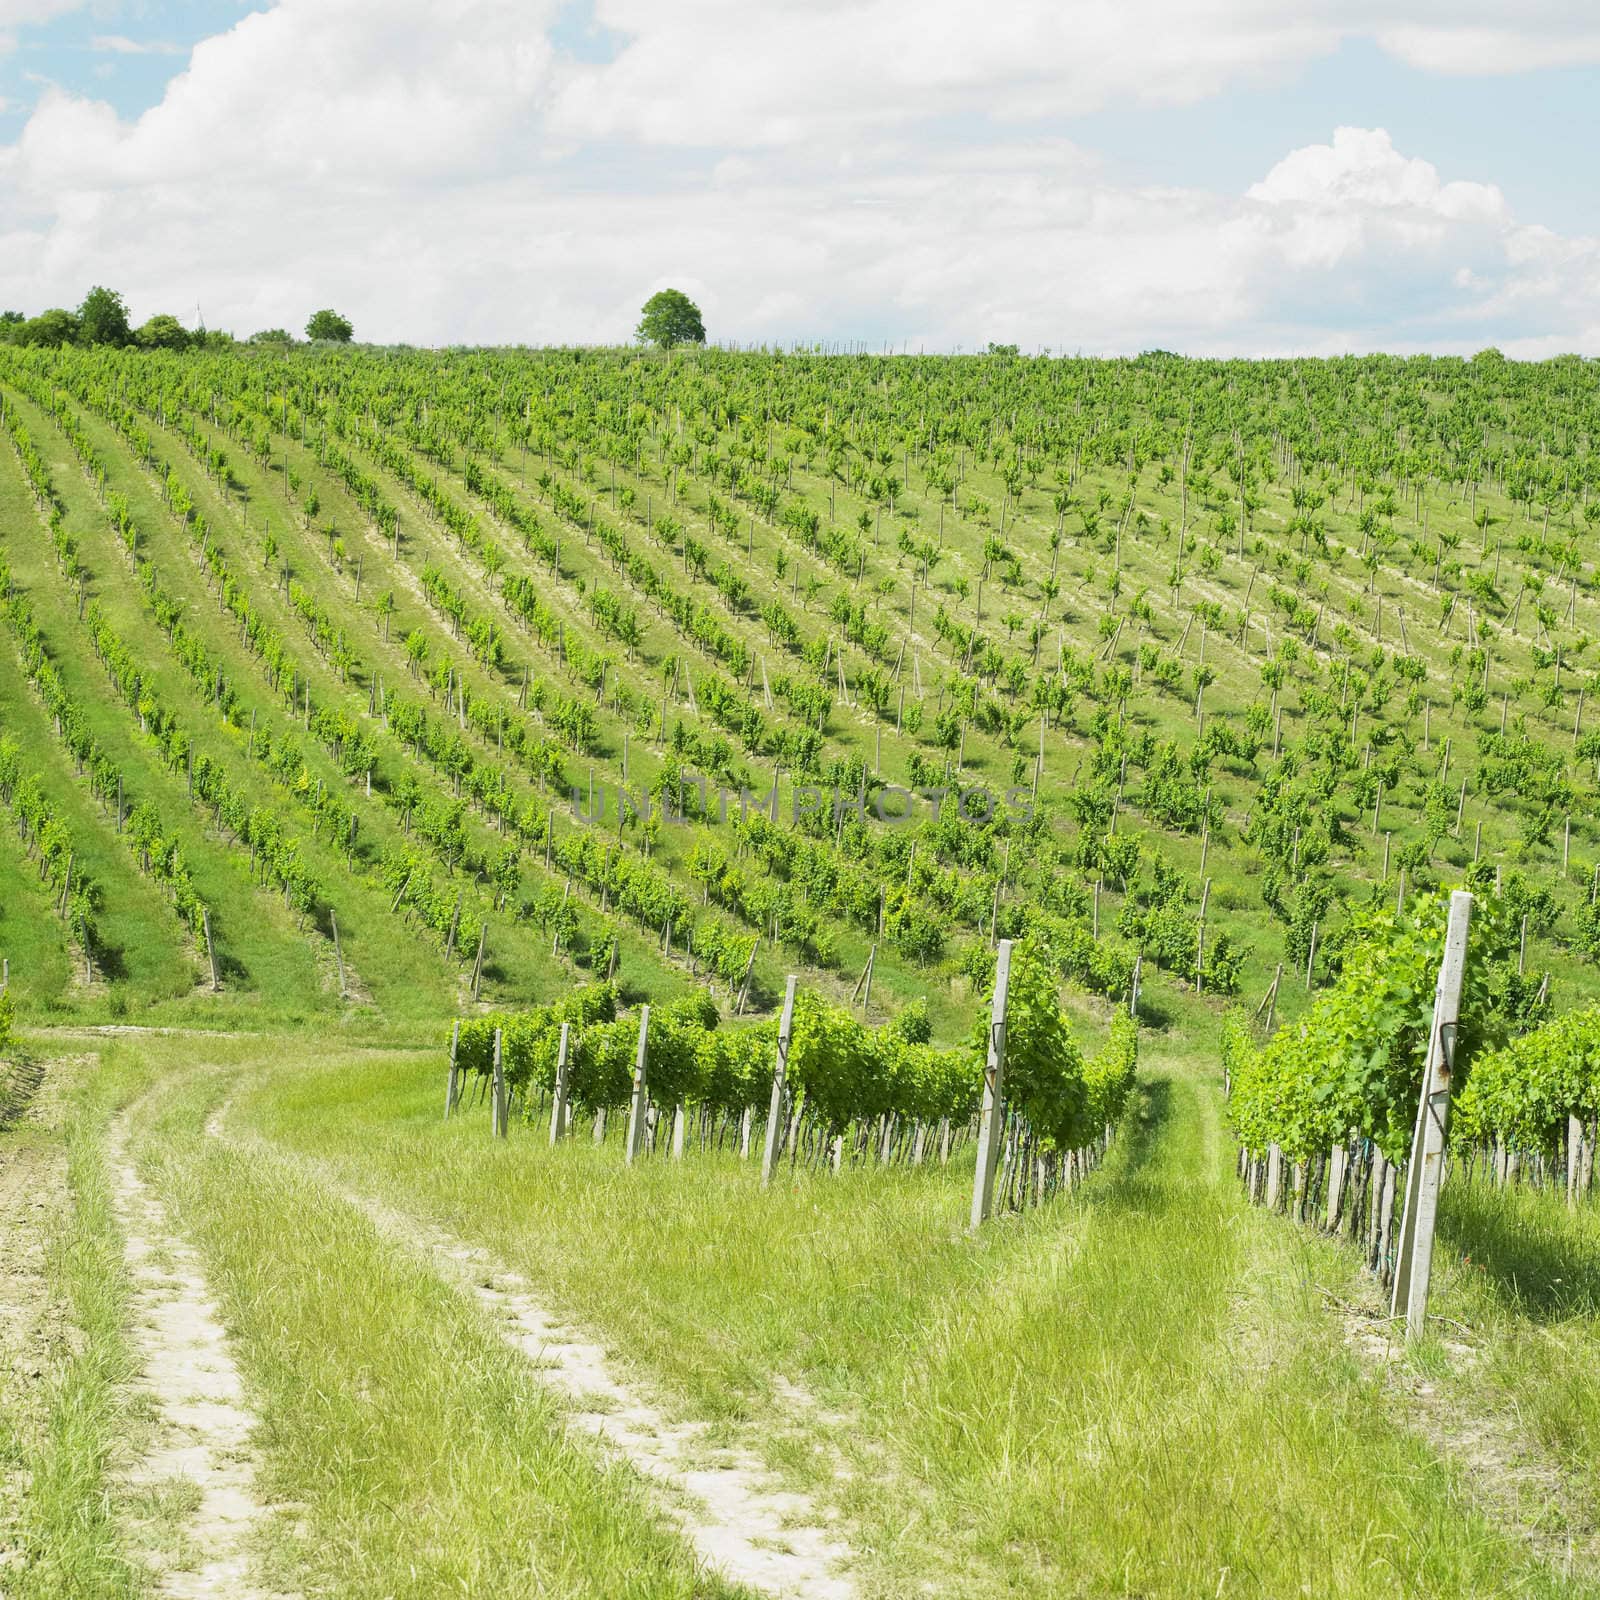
[443, 172]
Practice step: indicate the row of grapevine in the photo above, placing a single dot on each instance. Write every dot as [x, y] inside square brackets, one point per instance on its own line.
[854, 1092]
[154, 844]
[1530, 1109]
[273, 852]
[43, 831]
[920, 935]
[1325, 1111]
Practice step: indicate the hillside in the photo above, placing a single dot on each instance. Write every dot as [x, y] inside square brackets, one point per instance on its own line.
[1309, 633]
[355, 701]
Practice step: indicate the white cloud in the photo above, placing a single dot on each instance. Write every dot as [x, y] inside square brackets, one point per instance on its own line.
[1362, 169]
[440, 172]
[117, 44]
[23, 13]
[1493, 49]
[15, 14]
[784, 72]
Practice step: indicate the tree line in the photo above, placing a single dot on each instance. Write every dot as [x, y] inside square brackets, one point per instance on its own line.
[103, 319]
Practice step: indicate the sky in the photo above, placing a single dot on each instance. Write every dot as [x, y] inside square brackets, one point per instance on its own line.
[1230, 177]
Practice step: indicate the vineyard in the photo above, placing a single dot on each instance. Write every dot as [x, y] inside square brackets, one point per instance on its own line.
[629, 931]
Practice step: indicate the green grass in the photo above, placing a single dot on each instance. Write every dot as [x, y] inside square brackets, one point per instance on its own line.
[32, 939]
[1133, 1391]
[1524, 1271]
[405, 1449]
[68, 1535]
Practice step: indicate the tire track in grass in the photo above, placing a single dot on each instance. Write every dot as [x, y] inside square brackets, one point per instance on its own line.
[721, 1499]
[204, 1423]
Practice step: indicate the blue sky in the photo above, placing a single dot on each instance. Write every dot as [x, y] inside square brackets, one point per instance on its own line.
[1527, 133]
[87, 51]
[1097, 178]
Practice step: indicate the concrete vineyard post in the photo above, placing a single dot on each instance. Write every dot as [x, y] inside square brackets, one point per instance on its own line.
[1425, 1171]
[1338, 1159]
[211, 949]
[558, 1111]
[501, 1112]
[338, 954]
[774, 1141]
[450, 1080]
[636, 1106]
[992, 1122]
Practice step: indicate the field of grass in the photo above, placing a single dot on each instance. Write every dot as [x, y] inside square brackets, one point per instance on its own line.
[1253, 647]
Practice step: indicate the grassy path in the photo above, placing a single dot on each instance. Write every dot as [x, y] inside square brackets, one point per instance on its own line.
[404, 1450]
[1136, 1391]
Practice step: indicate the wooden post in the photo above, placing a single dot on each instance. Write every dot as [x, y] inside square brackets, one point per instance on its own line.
[773, 1148]
[211, 949]
[992, 1122]
[680, 1118]
[1414, 1258]
[744, 982]
[501, 1110]
[338, 954]
[636, 1106]
[477, 966]
[450, 1081]
[1272, 997]
[1311, 956]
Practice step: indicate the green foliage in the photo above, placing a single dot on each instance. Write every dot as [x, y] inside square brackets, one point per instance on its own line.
[330, 327]
[1353, 1064]
[1524, 1093]
[163, 332]
[103, 318]
[669, 317]
[842, 1070]
[47, 331]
